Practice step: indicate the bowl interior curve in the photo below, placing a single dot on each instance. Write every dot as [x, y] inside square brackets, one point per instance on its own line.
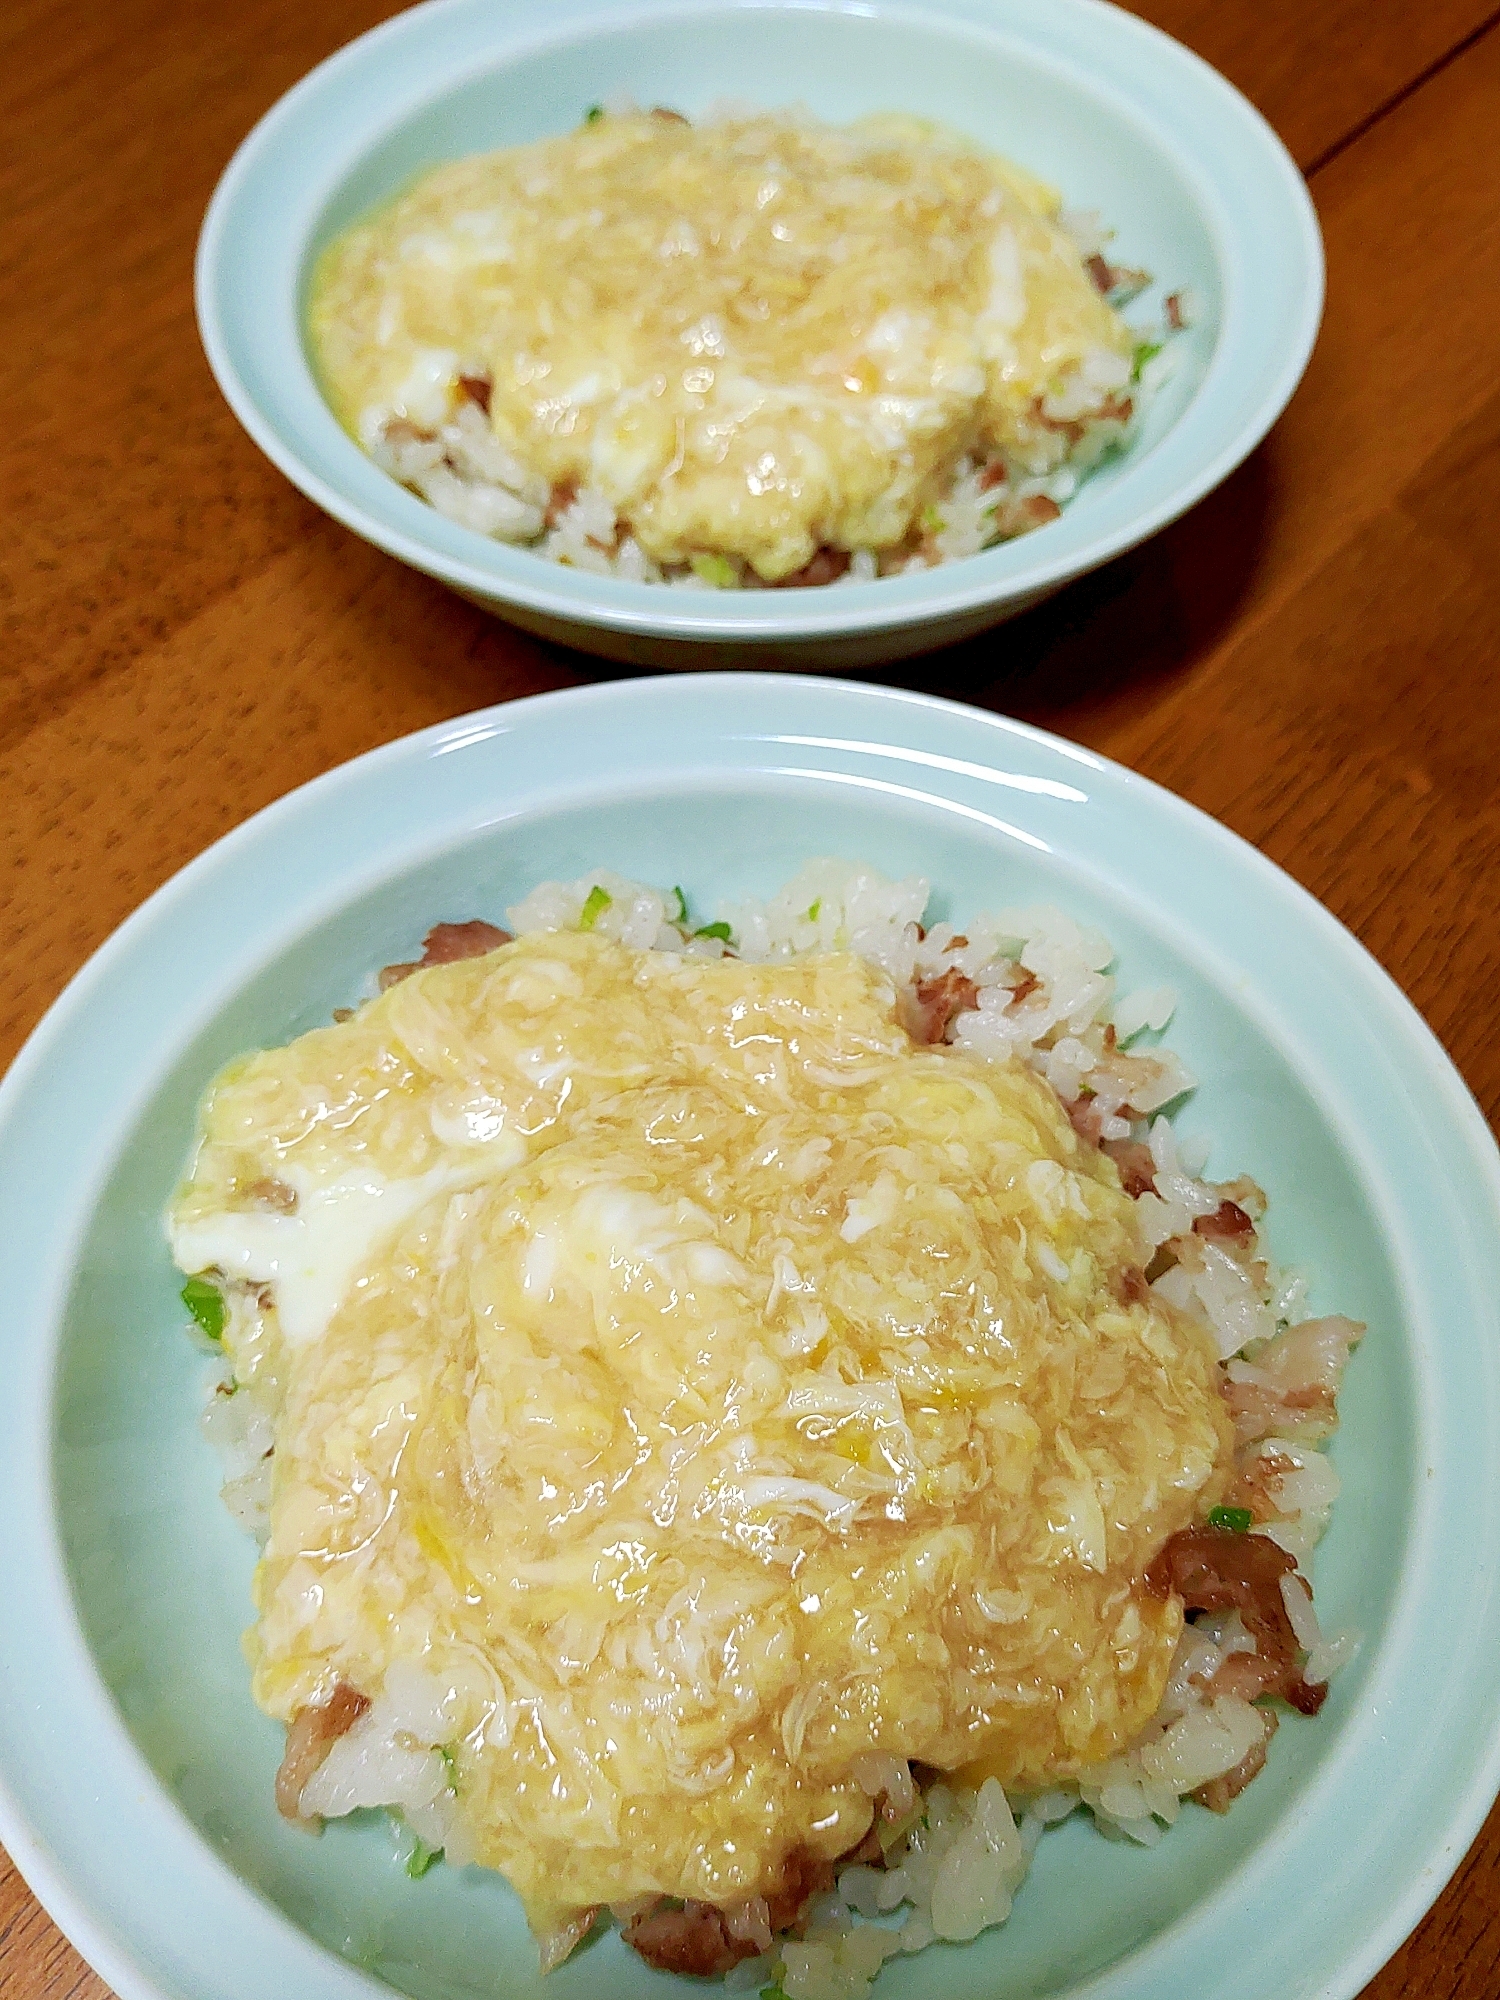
[161, 1576]
[1121, 120]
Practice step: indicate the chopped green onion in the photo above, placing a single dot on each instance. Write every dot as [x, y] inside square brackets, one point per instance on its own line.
[594, 113]
[205, 1302]
[813, 909]
[933, 521]
[775, 1991]
[1237, 1519]
[421, 1859]
[721, 931]
[596, 903]
[717, 570]
[450, 1766]
[1145, 350]
[681, 916]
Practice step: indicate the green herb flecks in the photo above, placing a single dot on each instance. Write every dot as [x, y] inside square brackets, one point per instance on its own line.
[681, 916]
[1145, 350]
[775, 1991]
[1237, 1519]
[595, 904]
[717, 570]
[813, 909]
[721, 931]
[594, 113]
[933, 521]
[450, 1766]
[421, 1858]
[205, 1302]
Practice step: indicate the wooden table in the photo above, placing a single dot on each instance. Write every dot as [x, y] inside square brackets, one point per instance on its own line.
[1310, 655]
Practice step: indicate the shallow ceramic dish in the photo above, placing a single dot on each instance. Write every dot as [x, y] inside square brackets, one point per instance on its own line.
[1122, 119]
[135, 1773]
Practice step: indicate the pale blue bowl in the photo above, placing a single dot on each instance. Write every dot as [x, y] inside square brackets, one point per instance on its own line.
[1121, 118]
[136, 1774]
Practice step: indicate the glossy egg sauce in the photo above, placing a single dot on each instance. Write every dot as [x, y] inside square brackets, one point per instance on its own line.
[759, 336]
[708, 1387]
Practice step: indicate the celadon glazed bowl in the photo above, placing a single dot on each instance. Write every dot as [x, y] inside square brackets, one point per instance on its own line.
[135, 1772]
[1116, 115]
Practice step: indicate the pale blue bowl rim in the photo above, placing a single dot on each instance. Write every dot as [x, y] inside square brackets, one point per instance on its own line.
[1255, 201]
[550, 749]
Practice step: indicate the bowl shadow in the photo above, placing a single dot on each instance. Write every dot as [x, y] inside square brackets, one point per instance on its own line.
[1103, 645]
[1122, 634]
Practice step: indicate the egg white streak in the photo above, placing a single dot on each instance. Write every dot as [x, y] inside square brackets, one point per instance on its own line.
[798, 1496]
[615, 1227]
[877, 1402]
[810, 1329]
[313, 1256]
[1082, 1525]
[478, 1120]
[872, 1210]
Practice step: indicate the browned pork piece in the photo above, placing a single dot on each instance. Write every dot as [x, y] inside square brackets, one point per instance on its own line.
[926, 1011]
[1220, 1569]
[701, 1939]
[312, 1734]
[445, 944]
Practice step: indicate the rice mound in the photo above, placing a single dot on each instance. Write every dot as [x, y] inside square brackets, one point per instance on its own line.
[1030, 984]
[902, 350]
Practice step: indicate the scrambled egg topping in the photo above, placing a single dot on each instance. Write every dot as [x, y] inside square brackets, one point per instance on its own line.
[756, 337]
[709, 1387]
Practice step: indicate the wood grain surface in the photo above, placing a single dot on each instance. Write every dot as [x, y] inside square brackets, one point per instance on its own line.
[1310, 655]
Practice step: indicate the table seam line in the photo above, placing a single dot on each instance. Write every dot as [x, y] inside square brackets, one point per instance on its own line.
[1397, 98]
